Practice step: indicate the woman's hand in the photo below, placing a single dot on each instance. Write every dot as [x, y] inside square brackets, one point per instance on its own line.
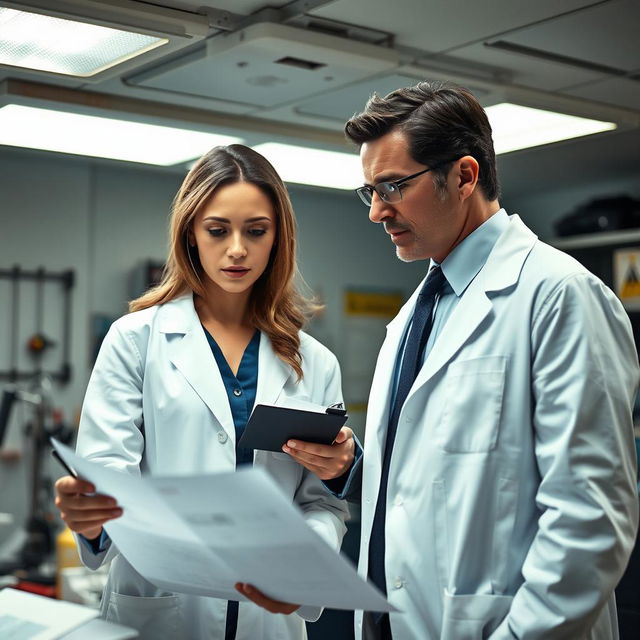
[273, 606]
[327, 461]
[82, 510]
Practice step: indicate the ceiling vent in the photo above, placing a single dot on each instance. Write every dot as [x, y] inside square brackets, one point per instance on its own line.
[267, 65]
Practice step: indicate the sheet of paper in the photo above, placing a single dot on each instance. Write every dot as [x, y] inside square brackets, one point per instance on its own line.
[209, 532]
[172, 556]
[26, 616]
[246, 519]
[101, 630]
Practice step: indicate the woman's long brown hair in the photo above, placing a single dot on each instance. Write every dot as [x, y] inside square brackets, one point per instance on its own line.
[275, 306]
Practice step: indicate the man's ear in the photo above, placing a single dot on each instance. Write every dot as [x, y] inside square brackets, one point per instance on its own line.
[468, 173]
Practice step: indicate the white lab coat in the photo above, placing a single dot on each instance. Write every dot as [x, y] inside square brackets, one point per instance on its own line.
[511, 505]
[156, 403]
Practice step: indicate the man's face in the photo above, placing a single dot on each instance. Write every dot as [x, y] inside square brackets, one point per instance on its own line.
[426, 223]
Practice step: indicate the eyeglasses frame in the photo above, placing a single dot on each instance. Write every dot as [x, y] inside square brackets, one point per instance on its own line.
[370, 189]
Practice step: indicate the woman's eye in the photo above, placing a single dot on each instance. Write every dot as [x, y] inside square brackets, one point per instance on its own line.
[257, 232]
[216, 233]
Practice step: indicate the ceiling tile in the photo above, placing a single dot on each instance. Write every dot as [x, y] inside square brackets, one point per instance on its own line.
[343, 103]
[621, 92]
[436, 26]
[587, 35]
[523, 70]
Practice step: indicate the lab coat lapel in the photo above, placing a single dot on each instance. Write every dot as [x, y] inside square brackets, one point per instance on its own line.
[272, 373]
[473, 308]
[501, 271]
[191, 354]
[380, 396]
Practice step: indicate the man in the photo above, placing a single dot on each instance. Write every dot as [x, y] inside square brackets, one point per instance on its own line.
[498, 478]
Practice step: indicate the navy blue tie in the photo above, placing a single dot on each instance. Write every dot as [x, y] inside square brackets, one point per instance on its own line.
[411, 362]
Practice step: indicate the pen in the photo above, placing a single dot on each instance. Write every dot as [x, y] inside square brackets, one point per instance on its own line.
[336, 409]
[69, 470]
[58, 457]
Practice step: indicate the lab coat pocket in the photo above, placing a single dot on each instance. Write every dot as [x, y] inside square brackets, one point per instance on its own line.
[155, 617]
[472, 405]
[472, 617]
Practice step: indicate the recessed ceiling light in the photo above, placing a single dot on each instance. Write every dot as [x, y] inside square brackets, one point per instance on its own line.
[517, 127]
[88, 135]
[304, 165]
[46, 43]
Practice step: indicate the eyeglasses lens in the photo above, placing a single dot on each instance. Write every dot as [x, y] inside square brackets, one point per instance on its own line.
[388, 191]
[366, 195]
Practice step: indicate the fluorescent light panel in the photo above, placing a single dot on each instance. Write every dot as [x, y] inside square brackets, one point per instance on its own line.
[46, 43]
[85, 135]
[316, 167]
[514, 127]
[517, 127]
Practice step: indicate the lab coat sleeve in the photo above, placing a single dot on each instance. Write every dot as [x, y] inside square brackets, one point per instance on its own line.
[323, 512]
[349, 486]
[584, 379]
[111, 421]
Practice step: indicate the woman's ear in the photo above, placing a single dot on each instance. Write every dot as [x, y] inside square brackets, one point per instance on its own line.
[191, 238]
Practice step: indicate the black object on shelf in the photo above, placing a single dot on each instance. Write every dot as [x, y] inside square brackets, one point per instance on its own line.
[601, 214]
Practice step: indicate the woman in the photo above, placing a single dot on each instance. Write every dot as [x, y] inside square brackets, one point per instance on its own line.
[175, 382]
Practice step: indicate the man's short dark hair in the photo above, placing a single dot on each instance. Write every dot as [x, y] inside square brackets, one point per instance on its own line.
[442, 121]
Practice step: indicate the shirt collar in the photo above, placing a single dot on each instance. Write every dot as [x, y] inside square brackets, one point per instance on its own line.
[462, 265]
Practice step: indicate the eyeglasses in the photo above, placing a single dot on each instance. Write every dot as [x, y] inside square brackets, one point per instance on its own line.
[390, 191]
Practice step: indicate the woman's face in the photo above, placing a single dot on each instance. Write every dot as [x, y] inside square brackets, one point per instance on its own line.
[234, 234]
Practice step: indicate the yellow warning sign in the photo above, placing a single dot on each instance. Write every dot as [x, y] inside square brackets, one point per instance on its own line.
[367, 303]
[627, 276]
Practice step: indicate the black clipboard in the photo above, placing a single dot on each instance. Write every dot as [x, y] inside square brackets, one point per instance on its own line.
[270, 426]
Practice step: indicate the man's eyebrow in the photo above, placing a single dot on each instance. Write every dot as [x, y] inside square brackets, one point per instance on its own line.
[385, 177]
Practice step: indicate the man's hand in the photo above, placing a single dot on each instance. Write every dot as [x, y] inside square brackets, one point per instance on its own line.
[82, 513]
[327, 461]
[274, 606]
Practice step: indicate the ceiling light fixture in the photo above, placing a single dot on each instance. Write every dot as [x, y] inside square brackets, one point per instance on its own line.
[318, 167]
[517, 127]
[79, 134]
[46, 43]
[88, 39]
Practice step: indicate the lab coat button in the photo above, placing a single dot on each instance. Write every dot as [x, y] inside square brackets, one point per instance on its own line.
[398, 501]
[237, 392]
[409, 419]
[398, 583]
[222, 437]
